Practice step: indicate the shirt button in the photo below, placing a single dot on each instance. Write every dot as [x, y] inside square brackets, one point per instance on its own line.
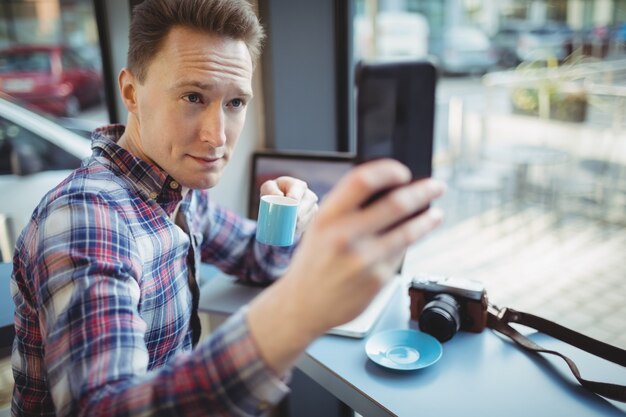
[153, 195]
[174, 185]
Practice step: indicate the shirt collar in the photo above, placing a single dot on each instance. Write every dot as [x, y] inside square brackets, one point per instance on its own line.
[149, 180]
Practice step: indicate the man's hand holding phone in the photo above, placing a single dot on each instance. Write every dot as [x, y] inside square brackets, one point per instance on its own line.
[365, 224]
[348, 253]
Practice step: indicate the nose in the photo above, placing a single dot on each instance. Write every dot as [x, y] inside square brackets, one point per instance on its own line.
[213, 129]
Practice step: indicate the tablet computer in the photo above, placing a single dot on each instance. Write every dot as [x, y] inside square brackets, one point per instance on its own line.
[396, 113]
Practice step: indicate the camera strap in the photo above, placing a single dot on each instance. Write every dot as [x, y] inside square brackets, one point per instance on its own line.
[499, 319]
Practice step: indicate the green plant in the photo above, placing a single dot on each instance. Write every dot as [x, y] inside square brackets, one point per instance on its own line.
[550, 91]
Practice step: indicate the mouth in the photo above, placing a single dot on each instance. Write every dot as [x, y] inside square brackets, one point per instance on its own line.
[208, 161]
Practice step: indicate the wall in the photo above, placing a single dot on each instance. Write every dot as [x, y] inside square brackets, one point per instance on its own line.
[300, 81]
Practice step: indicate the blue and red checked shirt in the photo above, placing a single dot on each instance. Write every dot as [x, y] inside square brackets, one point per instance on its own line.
[103, 284]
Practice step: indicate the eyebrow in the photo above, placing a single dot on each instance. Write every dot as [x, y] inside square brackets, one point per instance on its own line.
[208, 87]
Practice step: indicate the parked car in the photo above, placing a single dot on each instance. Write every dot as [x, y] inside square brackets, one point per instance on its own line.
[463, 50]
[548, 41]
[505, 44]
[35, 155]
[53, 78]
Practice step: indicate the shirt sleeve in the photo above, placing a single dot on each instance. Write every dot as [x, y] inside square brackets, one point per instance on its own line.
[88, 296]
[228, 242]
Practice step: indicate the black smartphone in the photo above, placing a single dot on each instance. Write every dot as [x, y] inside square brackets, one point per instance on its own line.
[396, 114]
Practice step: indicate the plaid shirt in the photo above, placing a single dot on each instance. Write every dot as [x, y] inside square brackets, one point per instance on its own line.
[103, 286]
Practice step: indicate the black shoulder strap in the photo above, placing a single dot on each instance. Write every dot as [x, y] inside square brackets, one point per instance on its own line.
[499, 320]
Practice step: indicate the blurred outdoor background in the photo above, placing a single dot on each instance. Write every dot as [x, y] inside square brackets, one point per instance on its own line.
[531, 139]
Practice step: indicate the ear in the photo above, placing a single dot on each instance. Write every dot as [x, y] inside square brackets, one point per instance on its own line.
[127, 85]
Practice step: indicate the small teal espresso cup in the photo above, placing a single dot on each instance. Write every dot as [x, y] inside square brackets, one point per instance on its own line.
[277, 220]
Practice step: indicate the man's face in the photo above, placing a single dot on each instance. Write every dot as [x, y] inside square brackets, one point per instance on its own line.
[192, 105]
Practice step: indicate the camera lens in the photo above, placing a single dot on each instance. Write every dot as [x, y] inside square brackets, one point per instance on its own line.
[440, 317]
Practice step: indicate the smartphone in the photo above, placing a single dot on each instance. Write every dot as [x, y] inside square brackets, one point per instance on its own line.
[396, 114]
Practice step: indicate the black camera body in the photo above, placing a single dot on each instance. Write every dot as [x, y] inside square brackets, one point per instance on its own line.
[443, 305]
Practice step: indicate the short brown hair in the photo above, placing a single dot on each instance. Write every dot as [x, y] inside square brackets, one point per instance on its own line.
[153, 19]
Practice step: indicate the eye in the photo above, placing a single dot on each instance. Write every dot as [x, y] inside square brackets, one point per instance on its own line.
[193, 98]
[237, 103]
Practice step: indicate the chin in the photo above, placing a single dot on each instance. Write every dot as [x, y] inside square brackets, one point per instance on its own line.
[197, 178]
[203, 183]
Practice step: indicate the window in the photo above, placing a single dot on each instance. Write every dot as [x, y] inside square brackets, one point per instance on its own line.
[530, 136]
[53, 37]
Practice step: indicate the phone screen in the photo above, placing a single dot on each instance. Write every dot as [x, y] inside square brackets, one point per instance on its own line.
[395, 113]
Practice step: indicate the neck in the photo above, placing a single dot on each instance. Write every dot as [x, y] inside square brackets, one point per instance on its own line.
[131, 139]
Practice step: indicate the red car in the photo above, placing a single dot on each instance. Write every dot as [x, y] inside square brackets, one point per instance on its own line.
[52, 78]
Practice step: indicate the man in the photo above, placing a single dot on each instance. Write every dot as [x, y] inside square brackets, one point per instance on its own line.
[104, 274]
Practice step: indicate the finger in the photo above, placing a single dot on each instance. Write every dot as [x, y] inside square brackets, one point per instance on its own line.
[362, 182]
[309, 200]
[307, 208]
[394, 207]
[292, 187]
[377, 251]
[399, 238]
[310, 196]
[306, 216]
[385, 271]
[305, 219]
[379, 268]
[270, 188]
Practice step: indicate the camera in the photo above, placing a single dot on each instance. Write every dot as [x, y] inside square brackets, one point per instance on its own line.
[443, 305]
